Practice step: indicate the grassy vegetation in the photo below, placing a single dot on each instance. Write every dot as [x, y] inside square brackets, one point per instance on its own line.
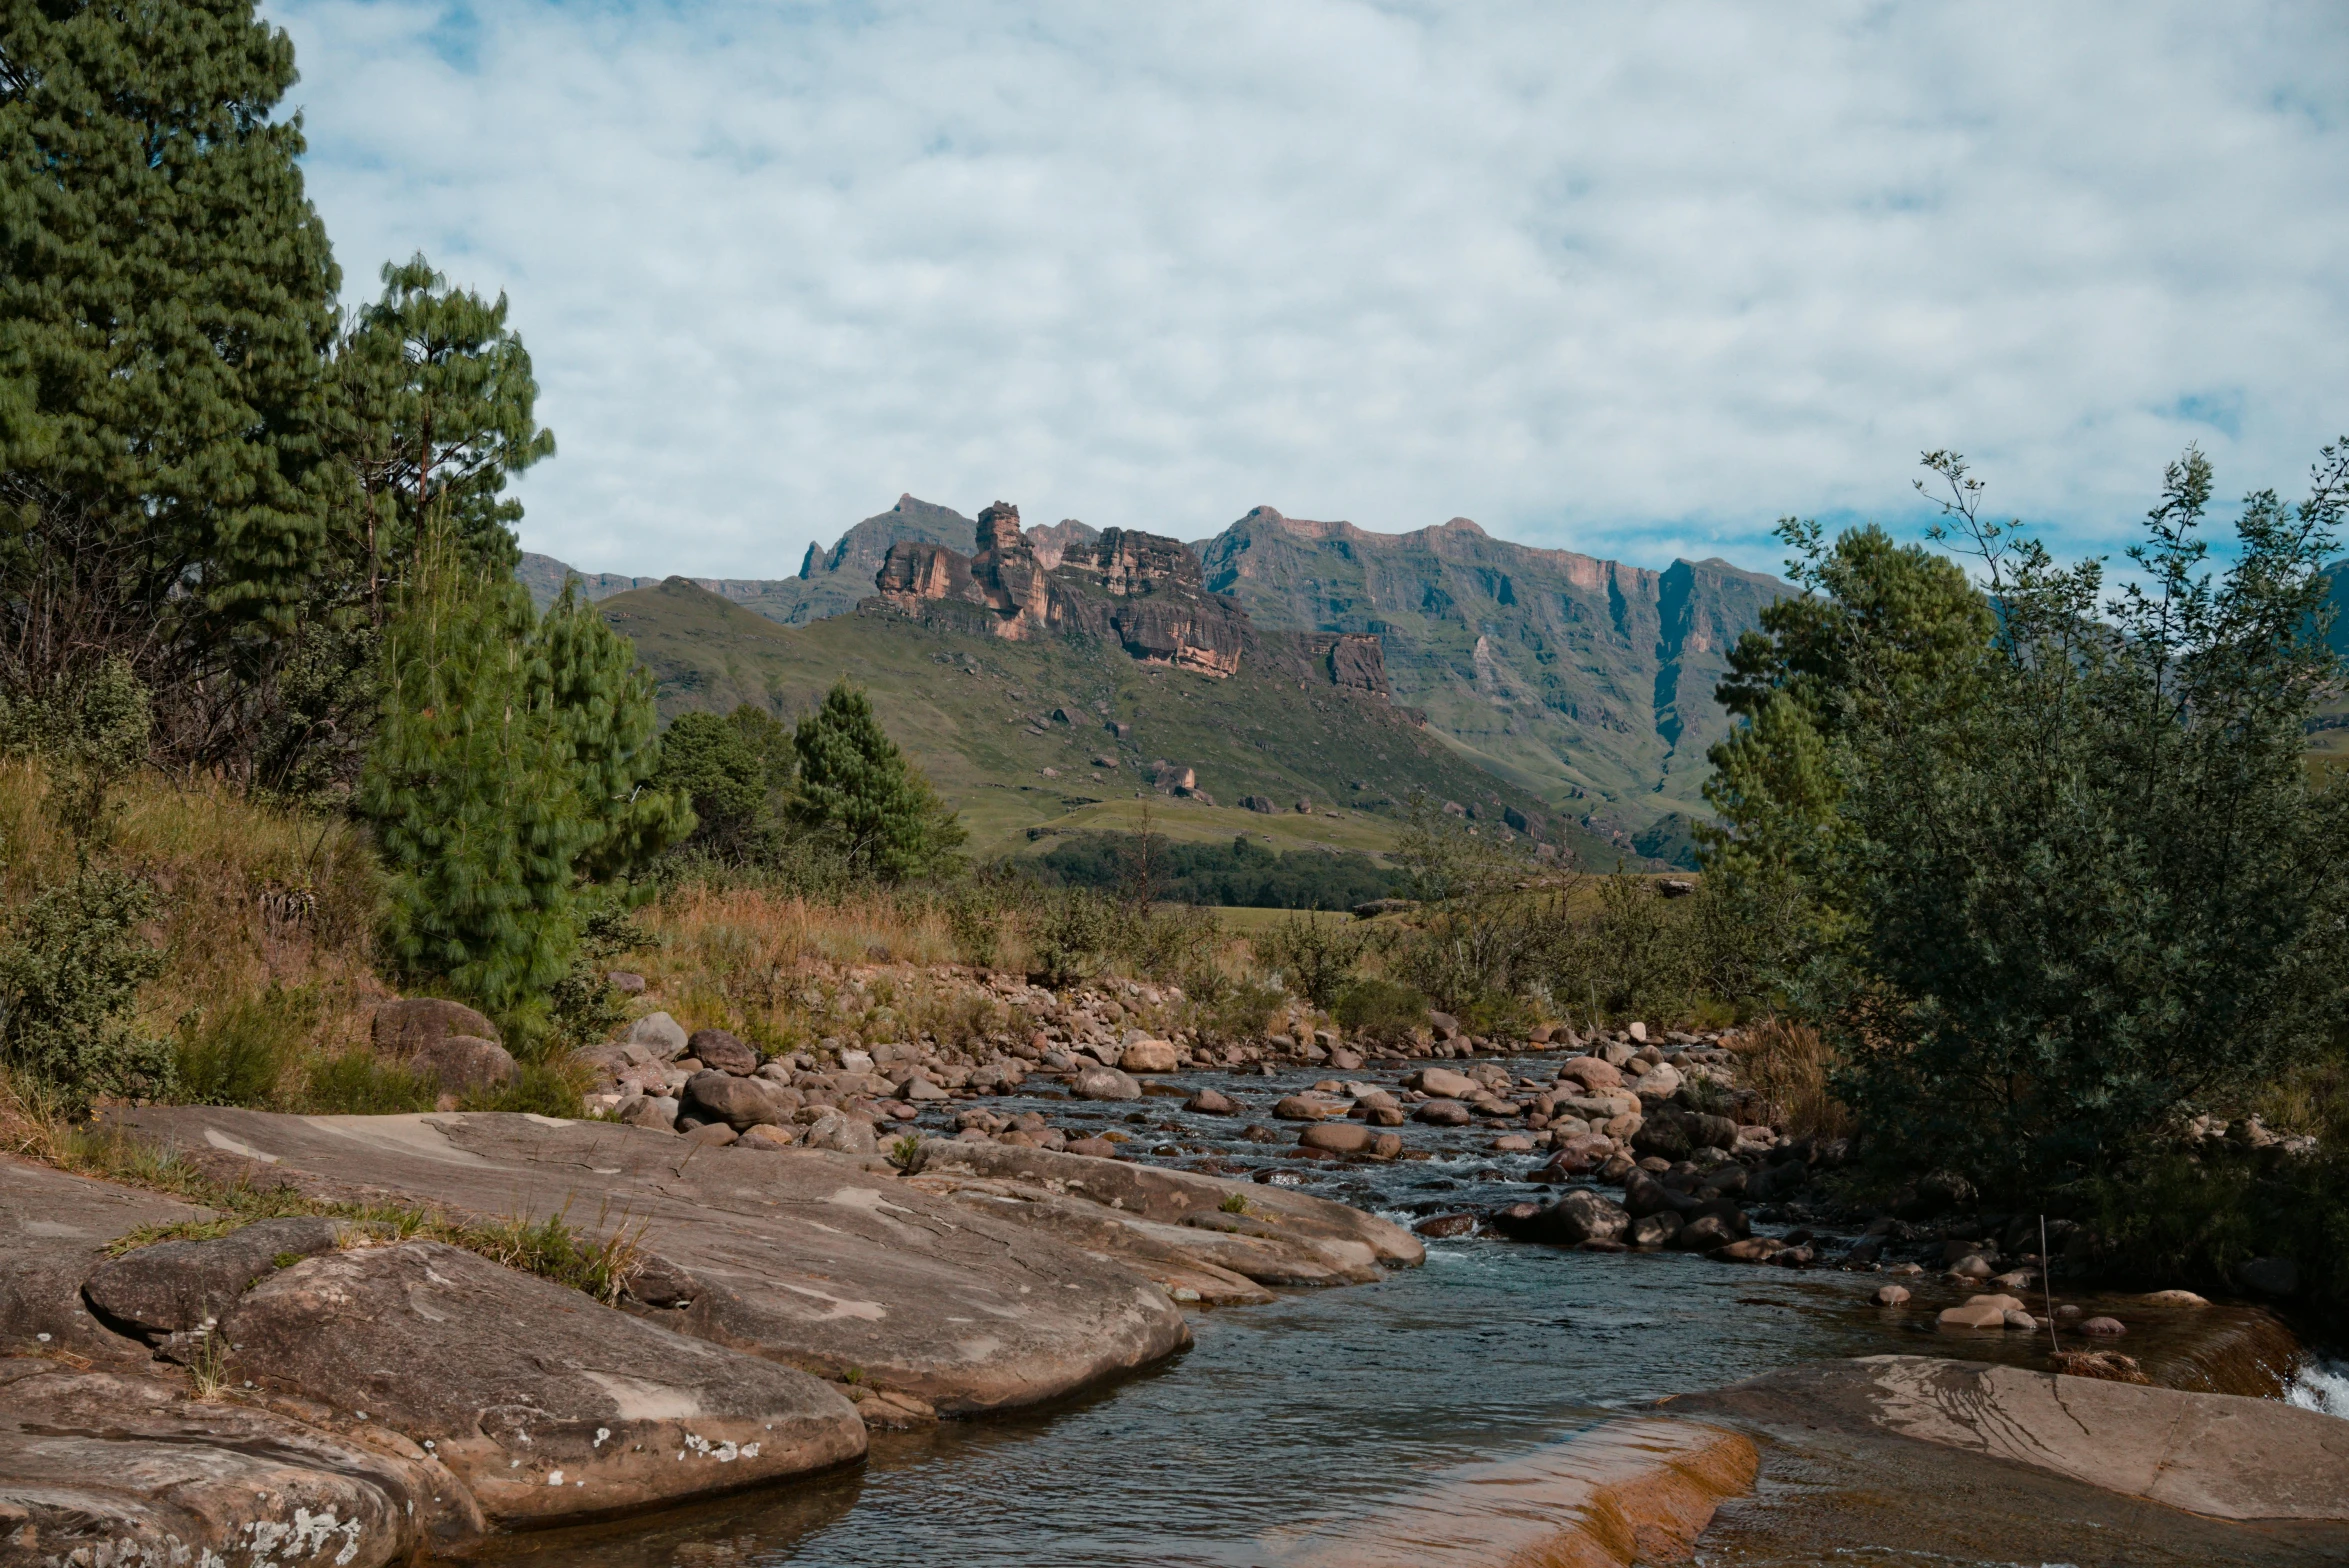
[1240, 872]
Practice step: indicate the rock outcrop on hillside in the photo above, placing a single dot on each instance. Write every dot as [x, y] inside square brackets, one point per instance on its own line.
[1586, 679]
[828, 582]
[1142, 591]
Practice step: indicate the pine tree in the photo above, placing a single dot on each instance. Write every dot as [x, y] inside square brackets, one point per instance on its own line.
[854, 784]
[167, 308]
[441, 403]
[733, 769]
[507, 772]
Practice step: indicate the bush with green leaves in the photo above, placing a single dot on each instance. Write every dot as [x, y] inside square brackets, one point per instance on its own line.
[1379, 1009]
[2066, 873]
[1316, 956]
[734, 770]
[71, 966]
[238, 1054]
[360, 1083]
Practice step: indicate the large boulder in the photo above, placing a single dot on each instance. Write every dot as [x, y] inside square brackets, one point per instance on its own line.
[1177, 1197]
[544, 1402]
[716, 1048]
[1643, 1195]
[741, 1103]
[2219, 1456]
[840, 1133]
[466, 1064]
[100, 1468]
[53, 1232]
[1443, 1083]
[1593, 1074]
[1104, 1083]
[175, 1287]
[407, 1027]
[1150, 1056]
[813, 1261]
[1581, 1216]
[660, 1034]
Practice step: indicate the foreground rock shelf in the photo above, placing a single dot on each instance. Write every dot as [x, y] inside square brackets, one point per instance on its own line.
[318, 1389]
[1985, 1462]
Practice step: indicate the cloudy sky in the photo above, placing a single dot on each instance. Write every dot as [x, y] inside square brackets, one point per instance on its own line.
[1630, 279]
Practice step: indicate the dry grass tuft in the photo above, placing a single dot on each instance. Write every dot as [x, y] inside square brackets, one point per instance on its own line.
[1788, 1065]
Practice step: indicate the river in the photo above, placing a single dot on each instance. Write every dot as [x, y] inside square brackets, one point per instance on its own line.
[1315, 1407]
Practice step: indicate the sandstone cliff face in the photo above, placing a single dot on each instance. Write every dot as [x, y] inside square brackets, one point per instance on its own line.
[1139, 590]
[1586, 680]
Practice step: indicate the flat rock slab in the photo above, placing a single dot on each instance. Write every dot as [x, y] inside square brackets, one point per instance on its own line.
[54, 1228]
[1987, 1462]
[547, 1404]
[1183, 1198]
[98, 1468]
[1640, 1489]
[807, 1259]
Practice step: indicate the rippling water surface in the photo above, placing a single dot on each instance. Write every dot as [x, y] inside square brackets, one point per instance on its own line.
[1309, 1409]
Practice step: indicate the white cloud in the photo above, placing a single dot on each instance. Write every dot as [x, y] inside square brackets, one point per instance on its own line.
[1634, 280]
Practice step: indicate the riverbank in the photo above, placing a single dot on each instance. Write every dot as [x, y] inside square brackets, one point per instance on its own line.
[1305, 1411]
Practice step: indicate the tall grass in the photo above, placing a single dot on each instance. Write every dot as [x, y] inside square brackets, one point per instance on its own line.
[254, 902]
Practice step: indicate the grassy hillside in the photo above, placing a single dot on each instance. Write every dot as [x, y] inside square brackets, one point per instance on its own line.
[978, 713]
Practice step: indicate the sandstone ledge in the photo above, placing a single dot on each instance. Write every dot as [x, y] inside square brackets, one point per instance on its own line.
[1640, 1489]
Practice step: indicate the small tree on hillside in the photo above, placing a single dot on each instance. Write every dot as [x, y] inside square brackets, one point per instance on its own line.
[854, 783]
[734, 769]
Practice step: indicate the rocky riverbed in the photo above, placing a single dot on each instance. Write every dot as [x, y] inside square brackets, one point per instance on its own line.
[824, 1256]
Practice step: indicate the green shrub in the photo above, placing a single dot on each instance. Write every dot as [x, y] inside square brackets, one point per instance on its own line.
[1244, 1010]
[237, 1055]
[1316, 957]
[70, 972]
[539, 1088]
[1074, 932]
[1380, 1009]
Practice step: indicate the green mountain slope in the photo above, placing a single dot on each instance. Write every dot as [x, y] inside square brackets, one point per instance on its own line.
[1585, 681]
[986, 718]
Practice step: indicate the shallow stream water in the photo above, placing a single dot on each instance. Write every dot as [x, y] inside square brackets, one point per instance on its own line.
[1318, 1406]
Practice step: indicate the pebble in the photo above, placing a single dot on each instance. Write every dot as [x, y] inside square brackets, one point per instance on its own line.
[2104, 1328]
[1891, 1295]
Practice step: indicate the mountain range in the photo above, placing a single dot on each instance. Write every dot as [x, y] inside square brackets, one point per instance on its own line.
[1584, 685]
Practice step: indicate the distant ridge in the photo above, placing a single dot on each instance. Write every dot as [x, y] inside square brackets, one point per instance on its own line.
[1583, 680]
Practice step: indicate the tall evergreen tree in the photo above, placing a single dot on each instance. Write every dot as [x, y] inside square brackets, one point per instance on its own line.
[507, 777]
[734, 769]
[443, 408]
[166, 315]
[855, 784]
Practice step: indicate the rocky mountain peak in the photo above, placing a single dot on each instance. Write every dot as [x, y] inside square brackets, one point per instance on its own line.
[1143, 591]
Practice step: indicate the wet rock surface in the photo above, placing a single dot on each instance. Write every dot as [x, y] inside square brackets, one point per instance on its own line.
[1993, 1463]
